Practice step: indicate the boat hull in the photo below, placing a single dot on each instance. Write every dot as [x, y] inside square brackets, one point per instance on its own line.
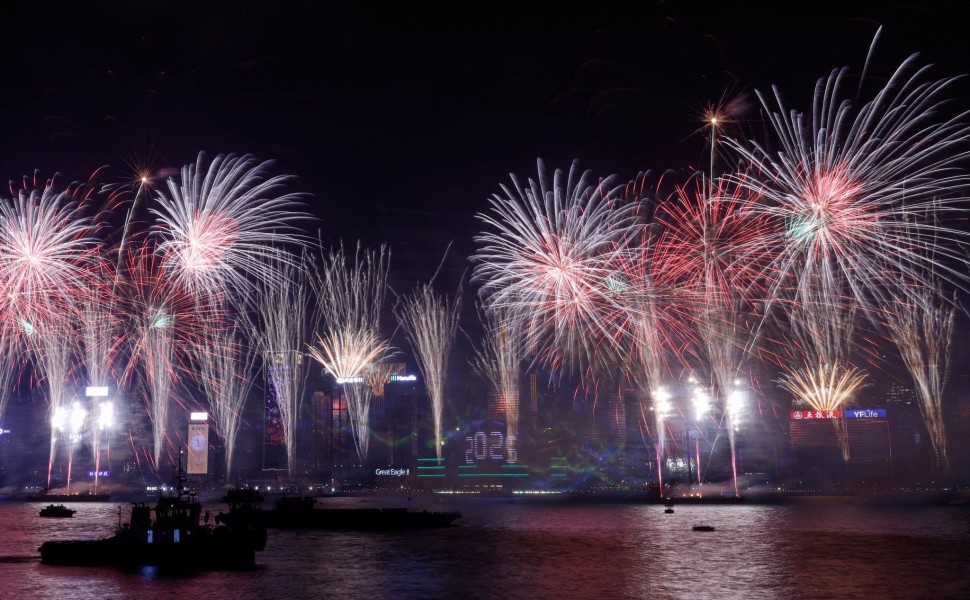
[206, 554]
[342, 519]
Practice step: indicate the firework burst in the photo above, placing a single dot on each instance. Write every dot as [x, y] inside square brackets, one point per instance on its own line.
[221, 225]
[548, 259]
[46, 247]
[855, 188]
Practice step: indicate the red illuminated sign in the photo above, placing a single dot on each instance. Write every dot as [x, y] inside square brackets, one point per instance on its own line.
[808, 415]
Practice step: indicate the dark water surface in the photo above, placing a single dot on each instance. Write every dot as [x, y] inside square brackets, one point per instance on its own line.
[546, 549]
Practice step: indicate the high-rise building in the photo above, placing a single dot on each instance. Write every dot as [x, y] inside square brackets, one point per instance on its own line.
[282, 377]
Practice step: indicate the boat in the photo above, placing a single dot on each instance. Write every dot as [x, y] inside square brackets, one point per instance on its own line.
[45, 496]
[703, 528]
[670, 507]
[301, 512]
[57, 510]
[177, 537]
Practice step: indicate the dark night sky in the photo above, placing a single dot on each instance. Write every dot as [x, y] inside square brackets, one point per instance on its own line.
[401, 121]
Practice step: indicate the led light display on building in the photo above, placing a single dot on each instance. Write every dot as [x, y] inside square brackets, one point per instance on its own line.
[805, 415]
[486, 442]
[198, 462]
[865, 413]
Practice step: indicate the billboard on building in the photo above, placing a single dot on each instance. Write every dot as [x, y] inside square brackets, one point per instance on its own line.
[198, 448]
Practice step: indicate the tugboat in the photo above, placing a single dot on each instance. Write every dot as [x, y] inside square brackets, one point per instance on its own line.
[58, 510]
[177, 538]
[294, 512]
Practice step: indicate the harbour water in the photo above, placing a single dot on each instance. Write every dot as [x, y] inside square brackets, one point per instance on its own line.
[546, 548]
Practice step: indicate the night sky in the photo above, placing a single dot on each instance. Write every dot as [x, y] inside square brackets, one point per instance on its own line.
[400, 121]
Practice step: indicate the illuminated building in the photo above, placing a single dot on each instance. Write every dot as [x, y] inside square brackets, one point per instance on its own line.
[282, 385]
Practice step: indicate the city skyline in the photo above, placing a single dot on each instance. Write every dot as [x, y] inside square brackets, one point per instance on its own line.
[390, 140]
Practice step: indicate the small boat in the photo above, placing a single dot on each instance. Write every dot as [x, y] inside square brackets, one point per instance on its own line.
[703, 528]
[58, 510]
[176, 538]
[669, 510]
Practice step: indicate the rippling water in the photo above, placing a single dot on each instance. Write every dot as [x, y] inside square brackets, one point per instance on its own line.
[547, 549]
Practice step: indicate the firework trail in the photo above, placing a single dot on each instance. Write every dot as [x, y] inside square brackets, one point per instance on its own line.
[103, 339]
[922, 328]
[163, 323]
[648, 319]
[53, 353]
[46, 247]
[348, 354]
[376, 376]
[222, 224]
[499, 363]
[10, 343]
[350, 295]
[854, 187]
[547, 259]
[283, 316]
[226, 370]
[822, 374]
[703, 227]
[430, 322]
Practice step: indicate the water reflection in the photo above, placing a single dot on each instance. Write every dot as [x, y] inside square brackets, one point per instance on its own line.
[540, 549]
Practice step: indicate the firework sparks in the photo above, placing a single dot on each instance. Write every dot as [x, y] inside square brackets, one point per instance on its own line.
[226, 373]
[45, 249]
[499, 363]
[347, 354]
[430, 322]
[103, 342]
[221, 225]
[283, 317]
[11, 346]
[703, 229]
[53, 355]
[350, 295]
[854, 188]
[163, 322]
[548, 258]
[922, 327]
